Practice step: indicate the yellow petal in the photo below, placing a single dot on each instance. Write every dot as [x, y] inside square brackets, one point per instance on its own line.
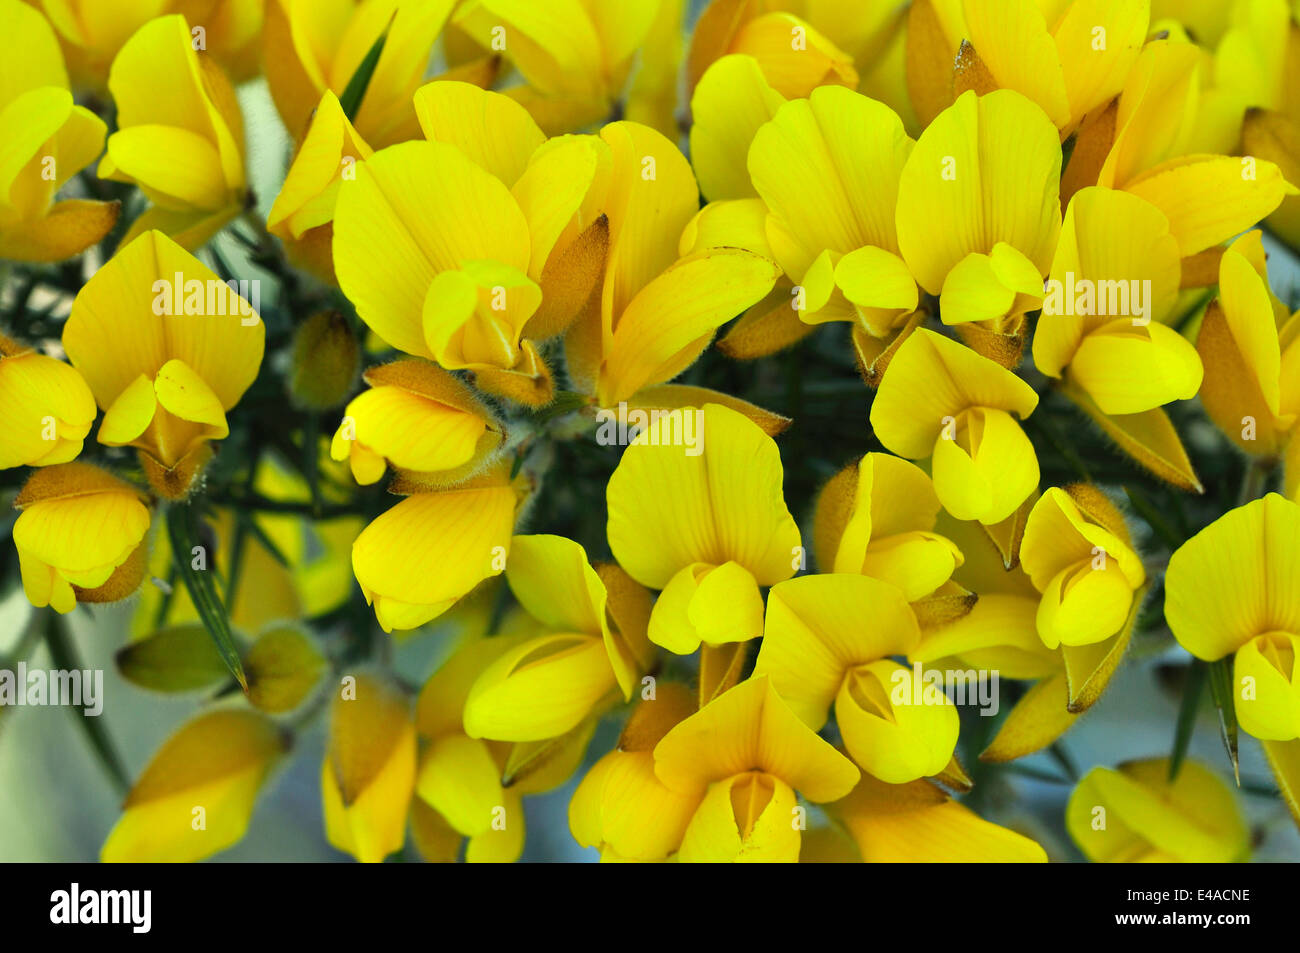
[672, 319]
[897, 726]
[724, 504]
[210, 771]
[1136, 814]
[1267, 689]
[917, 823]
[1243, 194]
[931, 378]
[747, 818]
[750, 728]
[970, 168]
[461, 781]
[400, 558]
[539, 690]
[1234, 579]
[814, 636]
[730, 103]
[493, 130]
[368, 775]
[412, 211]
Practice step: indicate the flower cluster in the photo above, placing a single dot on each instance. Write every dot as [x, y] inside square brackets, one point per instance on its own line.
[825, 586]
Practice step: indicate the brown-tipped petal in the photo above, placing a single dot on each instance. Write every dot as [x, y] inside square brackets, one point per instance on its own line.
[874, 354]
[1037, 720]
[568, 280]
[176, 482]
[970, 72]
[673, 396]
[1149, 438]
[529, 382]
[770, 326]
[1088, 668]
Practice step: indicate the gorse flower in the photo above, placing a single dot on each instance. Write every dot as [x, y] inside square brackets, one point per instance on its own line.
[707, 529]
[47, 407]
[60, 566]
[183, 146]
[1230, 591]
[167, 349]
[471, 483]
[48, 140]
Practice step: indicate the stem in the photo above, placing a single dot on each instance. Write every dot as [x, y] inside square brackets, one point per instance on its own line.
[63, 654]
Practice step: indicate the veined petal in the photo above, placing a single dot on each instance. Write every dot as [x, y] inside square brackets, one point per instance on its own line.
[932, 378]
[668, 509]
[970, 168]
[729, 105]
[814, 634]
[673, 318]
[1234, 580]
[492, 129]
[539, 690]
[750, 728]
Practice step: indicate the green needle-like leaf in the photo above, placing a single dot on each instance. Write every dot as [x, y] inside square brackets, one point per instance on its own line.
[182, 529]
[1191, 704]
[355, 91]
[1221, 686]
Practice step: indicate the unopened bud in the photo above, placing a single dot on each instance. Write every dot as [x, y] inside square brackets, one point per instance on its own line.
[326, 359]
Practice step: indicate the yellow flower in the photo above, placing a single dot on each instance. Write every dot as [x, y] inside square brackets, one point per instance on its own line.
[1101, 329]
[180, 135]
[47, 408]
[593, 645]
[470, 789]
[80, 536]
[708, 529]
[1079, 555]
[919, 823]
[459, 270]
[210, 770]
[48, 140]
[93, 31]
[1137, 815]
[749, 754]
[417, 559]
[574, 57]
[1230, 590]
[1108, 333]
[1251, 351]
[1153, 147]
[876, 517]
[942, 400]
[167, 349]
[368, 773]
[828, 170]
[1000, 634]
[303, 214]
[1069, 67]
[794, 55]
[416, 417]
[621, 806]
[818, 653]
[312, 47]
[655, 312]
[988, 168]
